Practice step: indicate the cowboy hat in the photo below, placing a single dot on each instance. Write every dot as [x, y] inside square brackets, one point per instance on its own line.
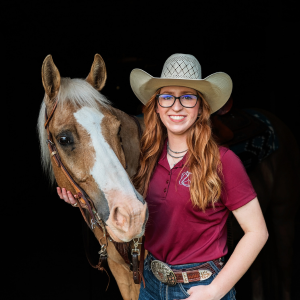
[183, 70]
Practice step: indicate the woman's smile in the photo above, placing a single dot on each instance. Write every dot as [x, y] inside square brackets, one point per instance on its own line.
[177, 118]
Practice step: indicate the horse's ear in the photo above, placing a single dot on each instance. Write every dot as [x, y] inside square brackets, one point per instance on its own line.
[97, 76]
[50, 77]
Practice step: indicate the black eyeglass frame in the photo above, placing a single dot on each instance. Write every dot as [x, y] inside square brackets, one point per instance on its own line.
[175, 98]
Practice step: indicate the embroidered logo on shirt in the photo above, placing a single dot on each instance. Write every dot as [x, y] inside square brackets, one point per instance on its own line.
[185, 179]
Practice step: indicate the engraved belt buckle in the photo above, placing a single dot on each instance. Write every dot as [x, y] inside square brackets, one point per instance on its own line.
[163, 273]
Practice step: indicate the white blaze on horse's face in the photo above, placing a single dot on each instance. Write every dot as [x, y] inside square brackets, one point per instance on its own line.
[127, 208]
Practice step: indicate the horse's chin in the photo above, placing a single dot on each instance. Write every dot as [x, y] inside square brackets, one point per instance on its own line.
[116, 237]
[113, 236]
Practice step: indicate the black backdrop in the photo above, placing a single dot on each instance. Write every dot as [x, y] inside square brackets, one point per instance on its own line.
[253, 41]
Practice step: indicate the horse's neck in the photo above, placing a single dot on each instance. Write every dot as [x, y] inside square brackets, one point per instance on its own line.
[130, 139]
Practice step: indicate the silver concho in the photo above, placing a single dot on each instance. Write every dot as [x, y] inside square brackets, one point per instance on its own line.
[204, 274]
[163, 273]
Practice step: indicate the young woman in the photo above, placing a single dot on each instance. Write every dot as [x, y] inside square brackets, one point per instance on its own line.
[191, 184]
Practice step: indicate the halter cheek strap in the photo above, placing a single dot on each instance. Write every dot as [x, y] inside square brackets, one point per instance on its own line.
[82, 199]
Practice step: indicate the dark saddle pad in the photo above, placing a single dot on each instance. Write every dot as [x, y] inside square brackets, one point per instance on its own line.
[248, 133]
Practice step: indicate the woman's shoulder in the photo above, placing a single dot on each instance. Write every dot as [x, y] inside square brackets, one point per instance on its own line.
[237, 187]
[223, 151]
[228, 157]
[226, 153]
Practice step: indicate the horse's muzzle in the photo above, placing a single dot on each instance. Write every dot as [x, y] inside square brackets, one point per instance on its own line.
[126, 223]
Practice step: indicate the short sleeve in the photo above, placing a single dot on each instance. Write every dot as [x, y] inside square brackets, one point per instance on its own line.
[237, 187]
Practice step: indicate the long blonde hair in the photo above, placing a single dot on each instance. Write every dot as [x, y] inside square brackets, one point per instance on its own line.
[203, 156]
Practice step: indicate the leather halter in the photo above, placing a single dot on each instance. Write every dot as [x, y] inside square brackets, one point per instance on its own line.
[84, 201]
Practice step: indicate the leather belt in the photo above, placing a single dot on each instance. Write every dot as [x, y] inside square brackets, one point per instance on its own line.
[171, 276]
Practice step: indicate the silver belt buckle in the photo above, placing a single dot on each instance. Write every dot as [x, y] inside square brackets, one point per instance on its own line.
[163, 272]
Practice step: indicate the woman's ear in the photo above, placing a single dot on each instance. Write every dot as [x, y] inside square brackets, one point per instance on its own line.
[200, 109]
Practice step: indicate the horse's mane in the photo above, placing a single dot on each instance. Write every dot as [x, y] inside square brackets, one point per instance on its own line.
[77, 92]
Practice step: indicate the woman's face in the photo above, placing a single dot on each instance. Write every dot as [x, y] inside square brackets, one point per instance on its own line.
[178, 119]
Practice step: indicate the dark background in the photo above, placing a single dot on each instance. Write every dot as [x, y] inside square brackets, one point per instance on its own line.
[255, 42]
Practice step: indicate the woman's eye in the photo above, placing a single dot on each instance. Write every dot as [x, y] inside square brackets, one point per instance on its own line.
[64, 140]
[187, 97]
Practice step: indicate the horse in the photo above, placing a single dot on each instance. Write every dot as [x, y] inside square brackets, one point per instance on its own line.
[96, 143]
[89, 131]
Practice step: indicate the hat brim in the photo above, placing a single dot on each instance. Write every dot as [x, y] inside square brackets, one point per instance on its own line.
[216, 88]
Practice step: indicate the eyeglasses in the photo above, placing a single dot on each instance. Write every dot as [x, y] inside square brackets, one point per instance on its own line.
[187, 101]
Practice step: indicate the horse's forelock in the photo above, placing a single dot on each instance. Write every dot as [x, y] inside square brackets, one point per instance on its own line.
[76, 92]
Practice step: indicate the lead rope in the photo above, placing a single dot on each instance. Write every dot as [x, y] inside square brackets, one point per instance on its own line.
[135, 262]
[102, 253]
[138, 266]
[142, 256]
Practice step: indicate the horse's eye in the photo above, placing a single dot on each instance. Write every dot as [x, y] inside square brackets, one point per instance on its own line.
[64, 140]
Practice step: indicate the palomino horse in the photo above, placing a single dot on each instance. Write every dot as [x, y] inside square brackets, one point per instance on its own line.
[87, 132]
[85, 129]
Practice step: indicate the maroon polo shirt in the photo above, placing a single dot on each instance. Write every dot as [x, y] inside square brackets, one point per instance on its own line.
[177, 232]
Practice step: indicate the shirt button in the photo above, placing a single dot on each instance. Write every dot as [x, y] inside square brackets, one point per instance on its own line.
[167, 181]
[165, 190]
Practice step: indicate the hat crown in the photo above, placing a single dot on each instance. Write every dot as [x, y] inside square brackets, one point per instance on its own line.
[182, 66]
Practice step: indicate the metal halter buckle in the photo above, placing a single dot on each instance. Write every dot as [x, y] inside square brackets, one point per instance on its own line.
[93, 224]
[103, 251]
[136, 244]
[49, 142]
[163, 273]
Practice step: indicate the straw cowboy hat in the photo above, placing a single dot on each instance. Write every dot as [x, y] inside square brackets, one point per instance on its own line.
[183, 70]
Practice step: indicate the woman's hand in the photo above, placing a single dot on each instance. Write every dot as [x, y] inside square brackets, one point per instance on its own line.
[66, 195]
[202, 292]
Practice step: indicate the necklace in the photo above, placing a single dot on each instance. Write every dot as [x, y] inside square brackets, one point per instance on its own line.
[175, 156]
[172, 157]
[175, 151]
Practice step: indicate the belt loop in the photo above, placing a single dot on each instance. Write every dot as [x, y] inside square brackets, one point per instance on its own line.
[184, 276]
[221, 261]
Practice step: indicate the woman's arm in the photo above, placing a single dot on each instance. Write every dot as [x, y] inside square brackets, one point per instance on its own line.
[251, 220]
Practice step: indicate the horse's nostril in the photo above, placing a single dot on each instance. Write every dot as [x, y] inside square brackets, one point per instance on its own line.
[120, 218]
